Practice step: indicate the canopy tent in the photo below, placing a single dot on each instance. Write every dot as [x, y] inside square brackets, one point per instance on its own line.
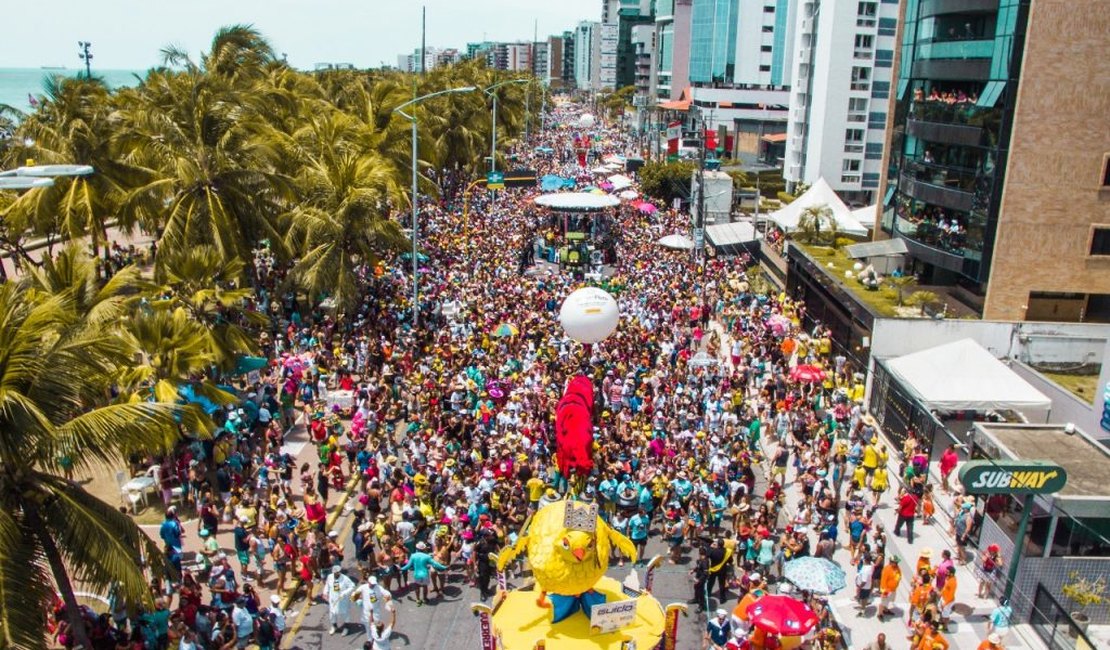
[577, 201]
[245, 364]
[963, 375]
[819, 194]
[620, 182]
[730, 238]
[866, 214]
[553, 183]
[676, 241]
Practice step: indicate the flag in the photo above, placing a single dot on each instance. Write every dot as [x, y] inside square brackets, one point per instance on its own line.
[710, 140]
[674, 134]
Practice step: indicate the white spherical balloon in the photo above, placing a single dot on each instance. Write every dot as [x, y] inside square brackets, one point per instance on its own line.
[589, 315]
[586, 121]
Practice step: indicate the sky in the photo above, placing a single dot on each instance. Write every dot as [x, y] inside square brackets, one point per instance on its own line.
[128, 34]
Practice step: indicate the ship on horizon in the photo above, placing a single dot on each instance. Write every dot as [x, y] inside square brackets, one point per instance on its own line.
[52, 67]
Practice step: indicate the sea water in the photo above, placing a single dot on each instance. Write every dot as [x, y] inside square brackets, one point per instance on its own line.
[17, 83]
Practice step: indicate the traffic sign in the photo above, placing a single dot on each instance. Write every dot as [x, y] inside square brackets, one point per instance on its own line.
[495, 181]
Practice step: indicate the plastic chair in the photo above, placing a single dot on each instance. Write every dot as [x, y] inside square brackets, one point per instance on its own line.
[126, 495]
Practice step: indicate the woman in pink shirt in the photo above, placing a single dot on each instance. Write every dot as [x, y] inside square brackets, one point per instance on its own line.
[948, 462]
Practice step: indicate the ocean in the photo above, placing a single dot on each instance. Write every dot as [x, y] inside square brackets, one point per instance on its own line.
[17, 83]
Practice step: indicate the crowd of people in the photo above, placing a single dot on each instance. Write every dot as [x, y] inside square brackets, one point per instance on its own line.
[449, 430]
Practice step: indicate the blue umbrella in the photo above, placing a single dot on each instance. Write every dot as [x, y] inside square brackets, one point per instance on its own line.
[551, 183]
[815, 574]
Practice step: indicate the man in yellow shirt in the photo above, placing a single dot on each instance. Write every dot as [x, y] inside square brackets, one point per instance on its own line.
[535, 487]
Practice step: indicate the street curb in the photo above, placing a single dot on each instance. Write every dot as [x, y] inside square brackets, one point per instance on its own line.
[329, 523]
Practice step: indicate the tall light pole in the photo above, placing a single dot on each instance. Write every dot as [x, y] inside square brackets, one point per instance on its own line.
[493, 126]
[86, 56]
[415, 197]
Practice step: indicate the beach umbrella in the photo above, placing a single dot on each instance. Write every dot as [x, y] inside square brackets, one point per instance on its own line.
[647, 208]
[506, 329]
[597, 190]
[628, 195]
[677, 242]
[782, 615]
[605, 185]
[703, 360]
[815, 574]
[551, 183]
[807, 374]
[779, 324]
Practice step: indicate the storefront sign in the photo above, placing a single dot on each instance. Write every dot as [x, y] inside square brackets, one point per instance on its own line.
[610, 617]
[1012, 477]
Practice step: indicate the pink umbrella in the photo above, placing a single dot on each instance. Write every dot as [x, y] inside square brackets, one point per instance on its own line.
[647, 208]
[779, 324]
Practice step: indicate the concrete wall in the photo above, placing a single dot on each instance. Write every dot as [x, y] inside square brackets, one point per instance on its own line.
[1029, 342]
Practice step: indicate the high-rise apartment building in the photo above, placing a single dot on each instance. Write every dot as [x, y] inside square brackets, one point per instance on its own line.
[741, 65]
[840, 95]
[587, 55]
[567, 71]
[670, 69]
[998, 176]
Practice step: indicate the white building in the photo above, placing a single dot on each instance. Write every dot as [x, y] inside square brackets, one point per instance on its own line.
[838, 104]
[741, 65]
[607, 72]
[587, 54]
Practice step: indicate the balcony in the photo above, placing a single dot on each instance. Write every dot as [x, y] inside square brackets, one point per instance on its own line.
[864, 53]
[953, 69]
[937, 187]
[945, 133]
[955, 49]
[920, 248]
[941, 7]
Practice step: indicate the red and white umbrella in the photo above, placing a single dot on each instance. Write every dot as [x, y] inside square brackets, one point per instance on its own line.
[807, 374]
[782, 615]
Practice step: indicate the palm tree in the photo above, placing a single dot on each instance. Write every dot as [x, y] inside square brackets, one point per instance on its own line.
[340, 225]
[813, 219]
[213, 181]
[55, 373]
[208, 288]
[73, 126]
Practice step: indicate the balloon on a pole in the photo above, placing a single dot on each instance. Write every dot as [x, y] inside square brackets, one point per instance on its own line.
[586, 121]
[589, 315]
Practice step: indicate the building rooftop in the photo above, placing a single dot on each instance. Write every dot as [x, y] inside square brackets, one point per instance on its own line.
[1086, 461]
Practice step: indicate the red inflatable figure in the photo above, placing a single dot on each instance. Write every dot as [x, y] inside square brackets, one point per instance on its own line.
[574, 438]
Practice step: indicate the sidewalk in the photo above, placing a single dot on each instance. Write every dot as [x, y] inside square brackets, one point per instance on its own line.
[969, 620]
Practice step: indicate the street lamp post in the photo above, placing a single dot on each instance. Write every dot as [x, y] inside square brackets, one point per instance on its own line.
[86, 56]
[493, 126]
[415, 200]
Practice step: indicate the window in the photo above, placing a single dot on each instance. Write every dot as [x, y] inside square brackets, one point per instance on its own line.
[853, 135]
[764, 68]
[1100, 241]
[1106, 171]
[857, 104]
[868, 9]
[768, 29]
[861, 78]
[765, 48]
[851, 165]
[864, 41]
[768, 9]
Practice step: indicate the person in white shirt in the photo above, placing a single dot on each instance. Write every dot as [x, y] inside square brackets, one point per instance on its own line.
[338, 591]
[278, 614]
[377, 606]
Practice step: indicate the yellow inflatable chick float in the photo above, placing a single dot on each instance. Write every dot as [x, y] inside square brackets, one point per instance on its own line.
[568, 546]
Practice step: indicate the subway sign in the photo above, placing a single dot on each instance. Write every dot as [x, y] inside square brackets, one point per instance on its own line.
[1012, 477]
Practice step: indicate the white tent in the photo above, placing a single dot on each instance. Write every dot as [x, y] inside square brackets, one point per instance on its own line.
[819, 194]
[677, 242]
[729, 236]
[865, 215]
[963, 375]
[620, 182]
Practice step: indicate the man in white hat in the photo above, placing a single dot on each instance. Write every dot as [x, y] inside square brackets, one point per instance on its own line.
[377, 604]
[337, 590]
[718, 630]
[278, 615]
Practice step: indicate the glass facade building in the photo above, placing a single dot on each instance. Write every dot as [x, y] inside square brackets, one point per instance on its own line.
[954, 111]
[713, 40]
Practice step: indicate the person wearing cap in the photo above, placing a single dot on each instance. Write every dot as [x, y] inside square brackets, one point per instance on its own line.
[277, 615]
[992, 642]
[990, 567]
[998, 622]
[376, 603]
[718, 630]
[420, 562]
[337, 591]
[889, 581]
